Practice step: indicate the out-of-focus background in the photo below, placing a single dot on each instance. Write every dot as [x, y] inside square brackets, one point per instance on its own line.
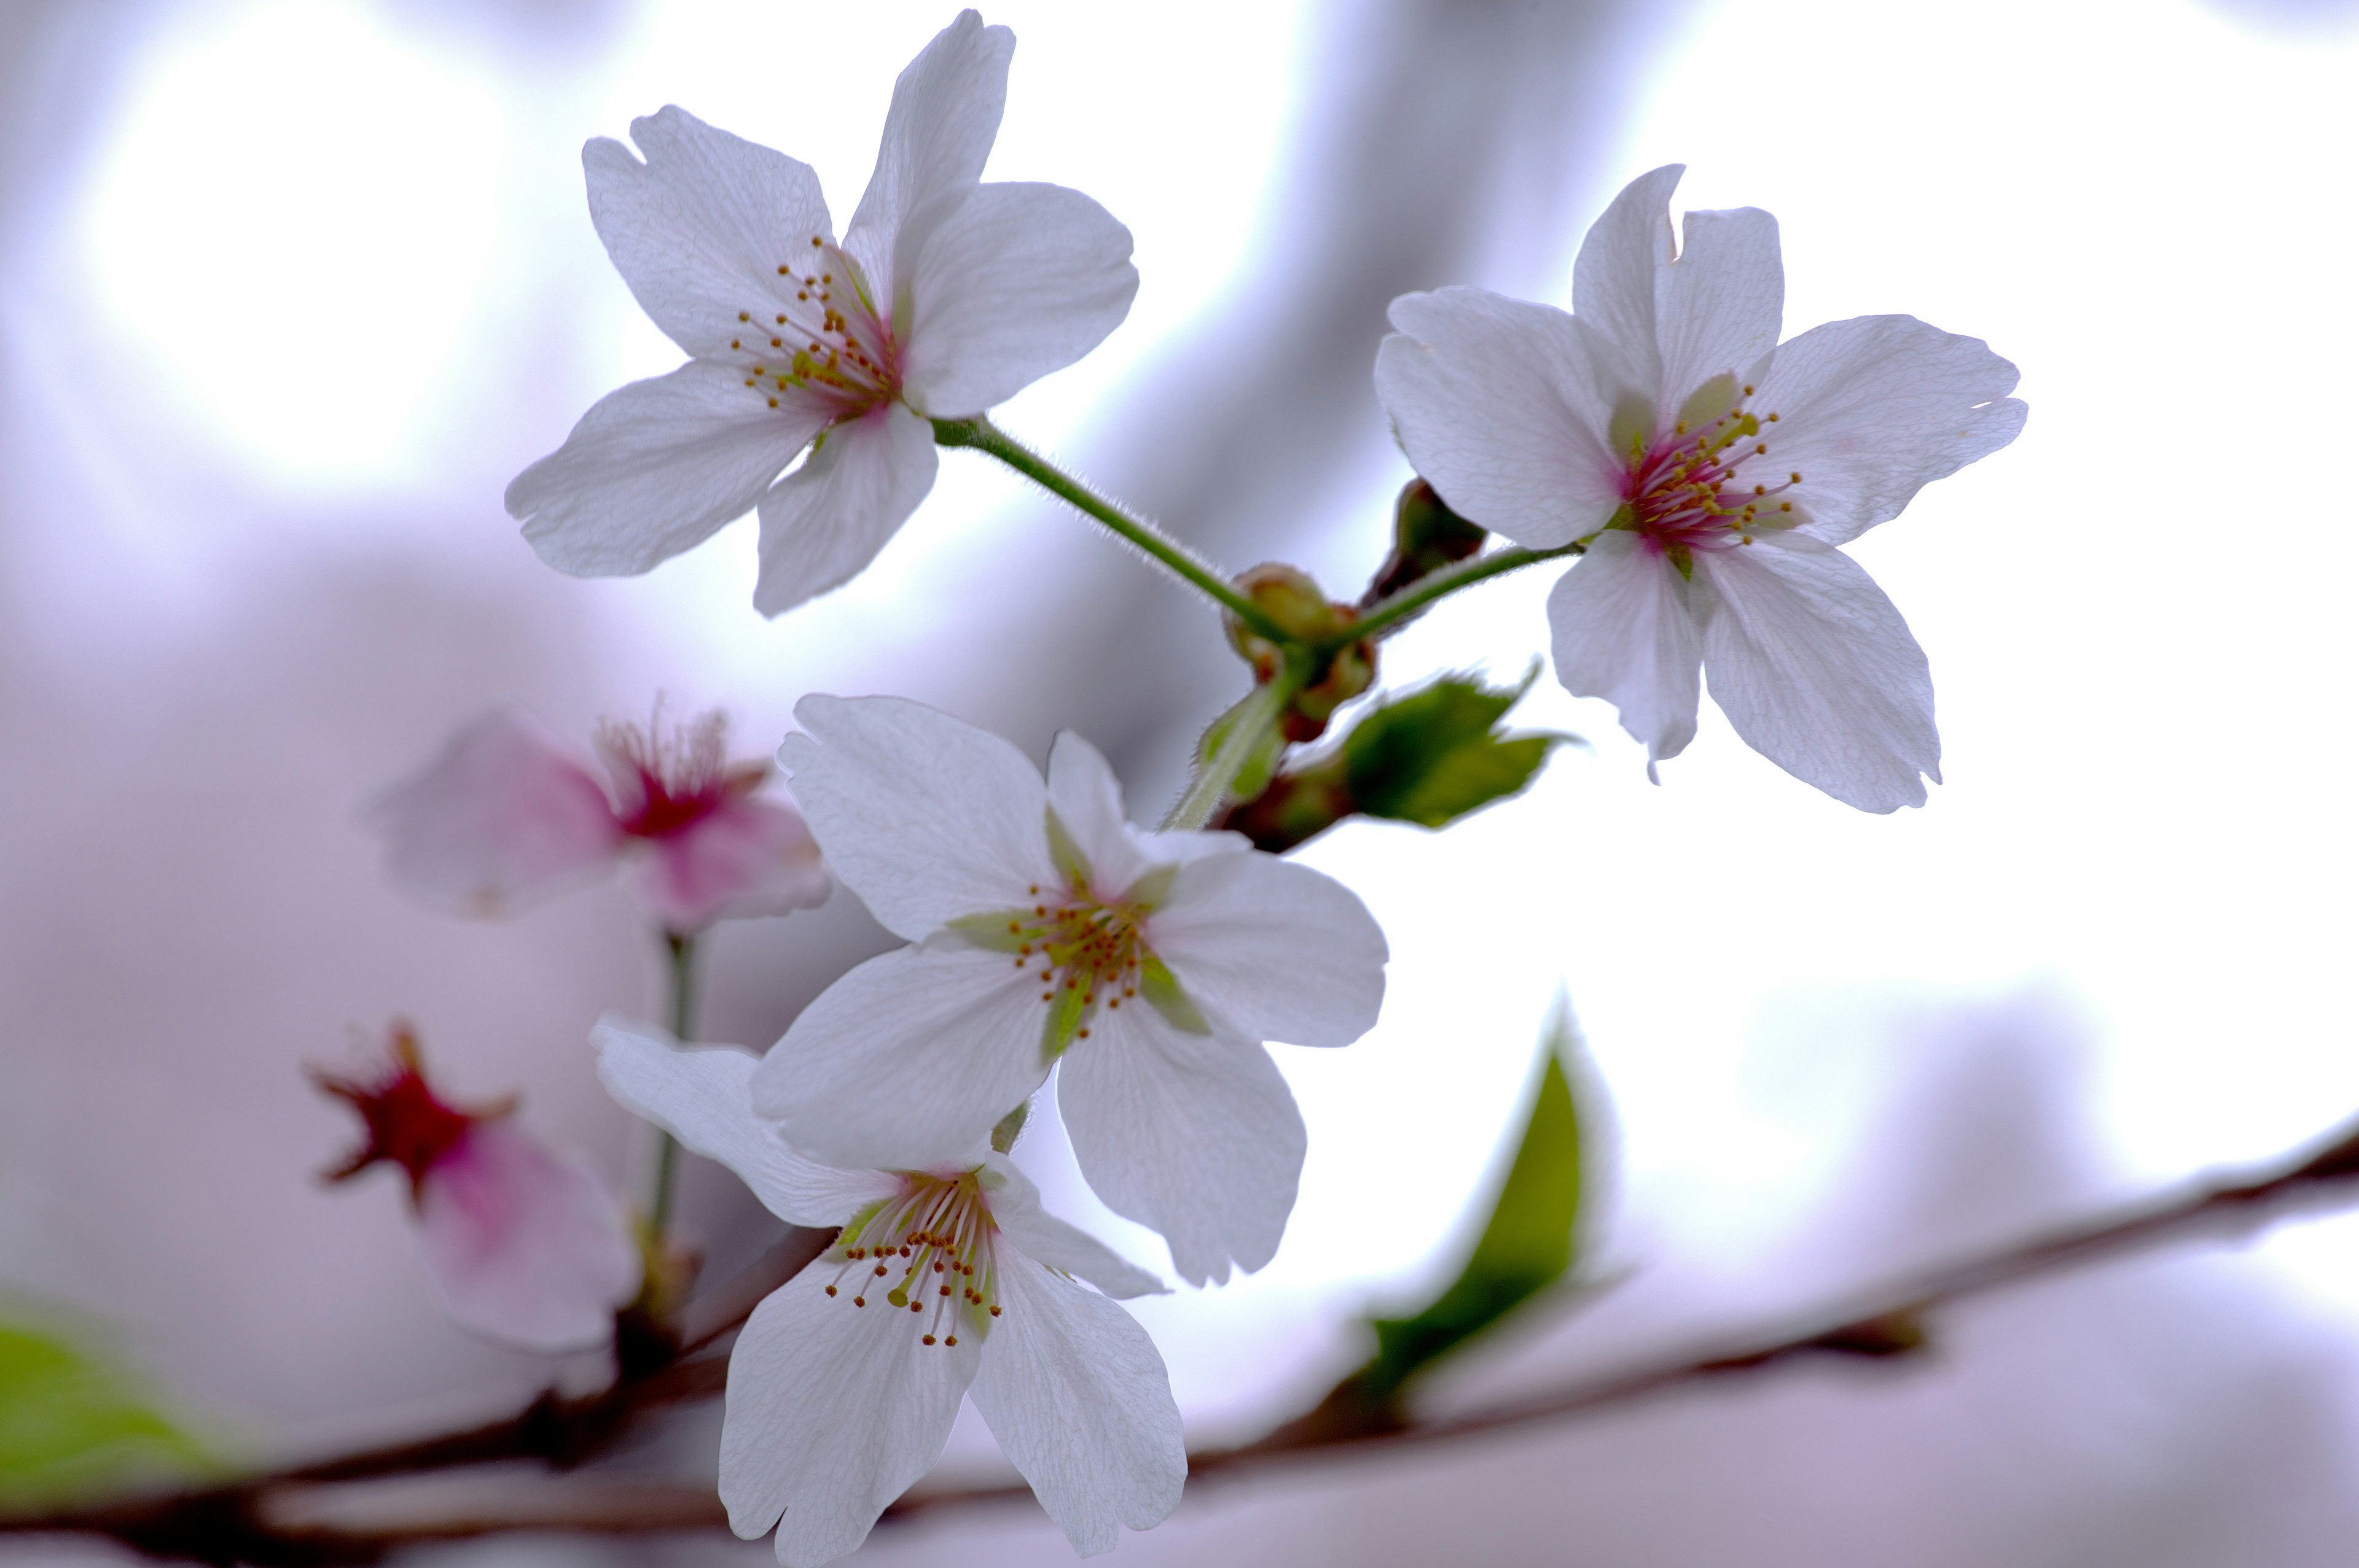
[291, 289]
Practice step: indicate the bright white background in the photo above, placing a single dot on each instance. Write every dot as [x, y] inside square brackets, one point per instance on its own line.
[314, 280]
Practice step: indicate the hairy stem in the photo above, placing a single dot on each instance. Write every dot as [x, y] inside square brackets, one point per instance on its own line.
[982, 435]
[1387, 614]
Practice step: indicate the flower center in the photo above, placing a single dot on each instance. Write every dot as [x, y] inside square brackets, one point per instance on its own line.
[408, 1124]
[822, 333]
[1086, 950]
[931, 1245]
[1703, 484]
[669, 780]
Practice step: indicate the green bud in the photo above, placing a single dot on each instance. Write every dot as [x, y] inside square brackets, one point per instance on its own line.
[1010, 1127]
[1429, 756]
[1297, 602]
[1427, 536]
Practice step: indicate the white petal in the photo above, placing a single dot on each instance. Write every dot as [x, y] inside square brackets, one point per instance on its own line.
[1019, 281]
[698, 231]
[907, 1061]
[1819, 672]
[1872, 409]
[1719, 303]
[825, 522]
[1195, 1135]
[522, 1245]
[658, 467]
[1614, 281]
[503, 815]
[1081, 1405]
[1625, 628]
[1040, 1236]
[938, 135]
[833, 1411]
[925, 818]
[1088, 801]
[704, 1096]
[1277, 950]
[1493, 400]
[747, 857]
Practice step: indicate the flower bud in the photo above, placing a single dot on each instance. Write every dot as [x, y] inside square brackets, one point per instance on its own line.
[1427, 536]
[1295, 602]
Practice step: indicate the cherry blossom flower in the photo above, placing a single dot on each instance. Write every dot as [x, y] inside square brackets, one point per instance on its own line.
[1712, 472]
[947, 1278]
[945, 296]
[1047, 932]
[522, 1245]
[505, 815]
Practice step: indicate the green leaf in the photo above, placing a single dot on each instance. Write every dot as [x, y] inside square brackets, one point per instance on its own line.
[1435, 754]
[1527, 1245]
[72, 1425]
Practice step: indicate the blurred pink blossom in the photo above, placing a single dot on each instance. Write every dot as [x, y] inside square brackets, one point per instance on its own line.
[504, 816]
[523, 1245]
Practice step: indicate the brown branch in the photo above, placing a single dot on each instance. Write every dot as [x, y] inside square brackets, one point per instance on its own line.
[290, 1519]
[238, 1521]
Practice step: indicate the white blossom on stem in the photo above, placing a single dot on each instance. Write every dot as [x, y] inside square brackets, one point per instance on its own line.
[523, 1245]
[1047, 932]
[505, 815]
[947, 1278]
[1712, 472]
[945, 296]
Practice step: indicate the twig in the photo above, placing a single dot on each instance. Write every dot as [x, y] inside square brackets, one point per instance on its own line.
[274, 1521]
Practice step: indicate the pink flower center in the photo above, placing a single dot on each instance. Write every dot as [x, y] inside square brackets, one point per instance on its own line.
[820, 333]
[929, 1246]
[405, 1123]
[1706, 484]
[665, 781]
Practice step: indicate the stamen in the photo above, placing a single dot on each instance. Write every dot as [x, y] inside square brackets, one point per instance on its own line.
[943, 1229]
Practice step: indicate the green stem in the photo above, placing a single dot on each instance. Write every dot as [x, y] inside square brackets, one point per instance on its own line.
[982, 435]
[681, 947]
[1387, 614]
[1254, 722]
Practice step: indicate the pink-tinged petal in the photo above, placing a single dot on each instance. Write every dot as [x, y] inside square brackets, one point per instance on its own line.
[658, 467]
[1274, 950]
[925, 818]
[1625, 628]
[744, 858]
[698, 230]
[1871, 410]
[1721, 302]
[524, 1246]
[1076, 1394]
[1194, 1135]
[833, 1411]
[825, 522]
[938, 135]
[1019, 281]
[501, 816]
[1493, 400]
[1614, 284]
[704, 1096]
[1043, 1238]
[1087, 799]
[1819, 672]
[907, 1061]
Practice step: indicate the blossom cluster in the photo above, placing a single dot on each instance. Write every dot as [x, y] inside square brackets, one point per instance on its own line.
[1706, 474]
